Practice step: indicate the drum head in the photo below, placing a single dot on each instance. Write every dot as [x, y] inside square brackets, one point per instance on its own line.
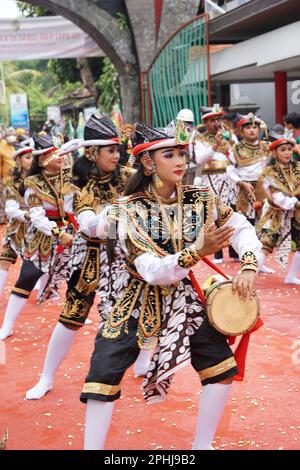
[229, 314]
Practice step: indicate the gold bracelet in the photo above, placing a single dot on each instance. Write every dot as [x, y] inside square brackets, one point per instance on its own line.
[249, 262]
[188, 257]
[56, 232]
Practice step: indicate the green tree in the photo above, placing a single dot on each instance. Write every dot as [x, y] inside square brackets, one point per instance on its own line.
[31, 10]
[109, 87]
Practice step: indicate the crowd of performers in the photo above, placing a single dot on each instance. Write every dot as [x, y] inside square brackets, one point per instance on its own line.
[132, 233]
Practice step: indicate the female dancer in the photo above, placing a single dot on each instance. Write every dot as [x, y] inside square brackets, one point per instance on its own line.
[48, 195]
[16, 212]
[101, 181]
[164, 229]
[280, 221]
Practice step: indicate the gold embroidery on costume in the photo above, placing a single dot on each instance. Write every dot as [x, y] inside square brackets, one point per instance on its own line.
[75, 310]
[17, 290]
[243, 199]
[34, 201]
[90, 272]
[217, 369]
[224, 212]
[60, 182]
[246, 154]
[121, 311]
[286, 179]
[149, 318]
[160, 227]
[8, 254]
[41, 243]
[189, 257]
[12, 187]
[210, 139]
[101, 389]
[249, 262]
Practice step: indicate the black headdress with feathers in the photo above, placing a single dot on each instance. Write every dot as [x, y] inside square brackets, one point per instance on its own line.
[100, 127]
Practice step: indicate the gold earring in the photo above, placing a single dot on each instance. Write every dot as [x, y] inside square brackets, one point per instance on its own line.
[157, 181]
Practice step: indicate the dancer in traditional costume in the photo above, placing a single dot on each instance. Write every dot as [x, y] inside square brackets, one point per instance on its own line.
[16, 212]
[247, 161]
[280, 221]
[49, 194]
[211, 150]
[101, 181]
[165, 228]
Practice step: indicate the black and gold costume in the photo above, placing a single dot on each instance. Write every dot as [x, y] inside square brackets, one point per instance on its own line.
[88, 269]
[144, 312]
[49, 200]
[14, 234]
[247, 164]
[280, 221]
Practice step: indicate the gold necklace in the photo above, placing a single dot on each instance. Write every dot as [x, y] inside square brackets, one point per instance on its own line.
[58, 196]
[176, 238]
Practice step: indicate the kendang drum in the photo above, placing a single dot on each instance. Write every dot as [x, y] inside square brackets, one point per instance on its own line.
[226, 312]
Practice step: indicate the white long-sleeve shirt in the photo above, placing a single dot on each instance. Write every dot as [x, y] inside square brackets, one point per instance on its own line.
[38, 215]
[243, 173]
[279, 198]
[165, 270]
[13, 210]
[93, 226]
[204, 153]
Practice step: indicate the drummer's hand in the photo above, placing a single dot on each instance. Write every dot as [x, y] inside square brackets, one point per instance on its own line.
[249, 190]
[243, 284]
[214, 239]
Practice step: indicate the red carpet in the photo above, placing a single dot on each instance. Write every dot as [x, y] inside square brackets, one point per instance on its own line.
[262, 412]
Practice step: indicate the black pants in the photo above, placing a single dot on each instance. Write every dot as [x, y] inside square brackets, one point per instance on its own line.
[28, 277]
[211, 358]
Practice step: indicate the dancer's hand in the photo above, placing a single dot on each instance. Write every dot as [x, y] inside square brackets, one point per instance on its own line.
[219, 140]
[66, 239]
[214, 239]
[249, 190]
[243, 284]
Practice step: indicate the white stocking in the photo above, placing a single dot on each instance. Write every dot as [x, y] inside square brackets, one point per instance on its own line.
[3, 278]
[97, 421]
[262, 268]
[41, 284]
[142, 363]
[291, 277]
[59, 346]
[211, 406]
[14, 308]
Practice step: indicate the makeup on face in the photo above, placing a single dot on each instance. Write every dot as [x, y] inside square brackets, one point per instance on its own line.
[108, 158]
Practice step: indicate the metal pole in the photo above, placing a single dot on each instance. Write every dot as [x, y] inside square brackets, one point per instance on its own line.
[215, 7]
[2, 81]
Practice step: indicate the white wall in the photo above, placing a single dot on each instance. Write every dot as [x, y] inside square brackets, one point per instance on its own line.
[263, 95]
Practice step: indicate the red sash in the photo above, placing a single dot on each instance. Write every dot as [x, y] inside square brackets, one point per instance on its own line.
[56, 215]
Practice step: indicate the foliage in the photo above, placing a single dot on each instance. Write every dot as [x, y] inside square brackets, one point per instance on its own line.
[122, 21]
[31, 10]
[109, 86]
[47, 83]
[64, 70]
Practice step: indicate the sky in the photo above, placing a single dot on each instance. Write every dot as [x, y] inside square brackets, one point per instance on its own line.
[8, 9]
